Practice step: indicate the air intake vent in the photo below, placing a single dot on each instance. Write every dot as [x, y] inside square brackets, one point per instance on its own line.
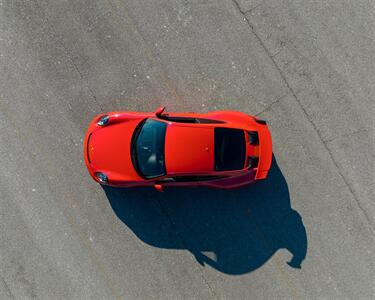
[252, 162]
[88, 147]
[253, 137]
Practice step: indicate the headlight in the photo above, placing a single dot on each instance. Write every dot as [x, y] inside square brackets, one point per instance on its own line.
[101, 177]
[103, 120]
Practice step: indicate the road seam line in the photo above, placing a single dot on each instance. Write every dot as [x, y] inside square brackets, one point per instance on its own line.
[174, 227]
[348, 185]
[133, 28]
[70, 216]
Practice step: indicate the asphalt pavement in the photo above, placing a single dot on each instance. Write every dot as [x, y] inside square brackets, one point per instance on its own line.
[307, 67]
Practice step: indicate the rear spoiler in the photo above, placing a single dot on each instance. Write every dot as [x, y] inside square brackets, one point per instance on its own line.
[265, 150]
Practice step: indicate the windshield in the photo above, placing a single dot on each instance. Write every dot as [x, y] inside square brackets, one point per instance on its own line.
[148, 148]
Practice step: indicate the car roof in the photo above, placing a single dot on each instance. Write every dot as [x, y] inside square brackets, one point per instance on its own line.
[189, 148]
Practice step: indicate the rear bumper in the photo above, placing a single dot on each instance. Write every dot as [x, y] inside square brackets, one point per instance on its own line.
[265, 151]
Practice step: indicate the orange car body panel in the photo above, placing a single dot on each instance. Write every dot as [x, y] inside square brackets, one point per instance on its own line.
[189, 149]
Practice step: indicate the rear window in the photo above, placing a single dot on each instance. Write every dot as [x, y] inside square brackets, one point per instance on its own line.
[230, 149]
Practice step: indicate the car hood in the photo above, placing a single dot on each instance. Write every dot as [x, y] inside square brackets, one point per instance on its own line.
[109, 150]
[189, 149]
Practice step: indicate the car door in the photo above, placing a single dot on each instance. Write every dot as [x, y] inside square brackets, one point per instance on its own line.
[187, 180]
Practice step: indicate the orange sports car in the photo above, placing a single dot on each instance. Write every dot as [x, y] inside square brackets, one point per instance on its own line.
[220, 149]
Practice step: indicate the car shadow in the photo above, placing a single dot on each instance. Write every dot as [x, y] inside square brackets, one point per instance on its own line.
[234, 232]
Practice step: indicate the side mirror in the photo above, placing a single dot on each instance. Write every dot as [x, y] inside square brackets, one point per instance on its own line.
[159, 111]
[158, 187]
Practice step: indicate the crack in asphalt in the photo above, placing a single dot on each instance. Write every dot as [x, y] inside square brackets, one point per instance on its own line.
[67, 52]
[148, 51]
[170, 86]
[314, 126]
[251, 9]
[268, 107]
[173, 90]
[346, 134]
[70, 216]
[183, 243]
[7, 288]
